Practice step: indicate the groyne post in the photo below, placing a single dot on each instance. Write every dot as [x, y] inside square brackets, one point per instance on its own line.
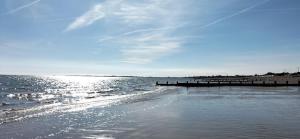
[230, 83]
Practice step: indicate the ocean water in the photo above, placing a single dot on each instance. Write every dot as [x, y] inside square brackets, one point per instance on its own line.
[31, 96]
[133, 107]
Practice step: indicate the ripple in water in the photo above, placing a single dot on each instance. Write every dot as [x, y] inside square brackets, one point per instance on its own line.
[32, 96]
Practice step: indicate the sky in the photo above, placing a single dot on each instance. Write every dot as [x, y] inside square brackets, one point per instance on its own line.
[149, 37]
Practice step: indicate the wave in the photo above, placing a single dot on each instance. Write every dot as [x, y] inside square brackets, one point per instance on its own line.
[16, 114]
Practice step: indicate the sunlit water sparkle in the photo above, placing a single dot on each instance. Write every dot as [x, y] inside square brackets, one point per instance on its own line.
[133, 107]
[31, 96]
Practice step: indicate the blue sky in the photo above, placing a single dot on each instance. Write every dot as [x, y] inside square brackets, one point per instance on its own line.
[149, 37]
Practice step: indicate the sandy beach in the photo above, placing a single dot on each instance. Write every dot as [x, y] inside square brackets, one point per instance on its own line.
[208, 113]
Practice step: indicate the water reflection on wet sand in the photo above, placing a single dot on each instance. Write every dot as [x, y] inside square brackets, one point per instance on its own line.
[210, 113]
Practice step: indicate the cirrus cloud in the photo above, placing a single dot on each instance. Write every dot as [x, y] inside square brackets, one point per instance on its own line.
[88, 18]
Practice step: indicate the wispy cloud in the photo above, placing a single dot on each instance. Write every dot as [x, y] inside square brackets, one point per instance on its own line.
[150, 39]
[141, 12]
[235, 14]
[148, 47]
[152, 25]
[145, 30]
[143, 54]
[88, 18]
[152, 42]
[17, 9]
[127, 17]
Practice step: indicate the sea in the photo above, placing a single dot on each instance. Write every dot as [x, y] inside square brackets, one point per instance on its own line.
[134, 107]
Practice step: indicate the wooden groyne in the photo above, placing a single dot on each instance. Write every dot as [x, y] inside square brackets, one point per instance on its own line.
[228, 83]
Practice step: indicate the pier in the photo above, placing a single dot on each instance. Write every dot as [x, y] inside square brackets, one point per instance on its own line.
[228, 83]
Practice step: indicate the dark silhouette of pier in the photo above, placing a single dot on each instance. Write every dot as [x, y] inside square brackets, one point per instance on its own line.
[229, 83]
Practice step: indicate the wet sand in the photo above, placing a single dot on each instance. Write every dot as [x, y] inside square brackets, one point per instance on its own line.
[208, 113]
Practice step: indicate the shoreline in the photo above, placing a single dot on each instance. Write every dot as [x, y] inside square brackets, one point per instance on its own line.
[211, 113]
